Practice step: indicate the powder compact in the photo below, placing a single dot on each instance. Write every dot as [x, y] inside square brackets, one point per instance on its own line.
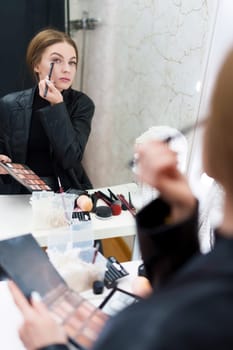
[23, 174]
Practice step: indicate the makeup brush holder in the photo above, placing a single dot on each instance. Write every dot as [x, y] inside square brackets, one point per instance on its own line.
[51, 210]
[82, 234]
[77, 273]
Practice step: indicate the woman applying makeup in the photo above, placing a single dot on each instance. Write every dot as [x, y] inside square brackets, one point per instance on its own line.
[191, 306]
[47, 127]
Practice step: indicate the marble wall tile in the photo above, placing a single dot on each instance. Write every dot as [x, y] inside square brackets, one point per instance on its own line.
[142, 65]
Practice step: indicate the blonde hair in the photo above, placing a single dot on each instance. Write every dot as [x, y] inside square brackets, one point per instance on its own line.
[41, 41]
[218, 152]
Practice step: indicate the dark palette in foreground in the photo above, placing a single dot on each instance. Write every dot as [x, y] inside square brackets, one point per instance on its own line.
[23, 260]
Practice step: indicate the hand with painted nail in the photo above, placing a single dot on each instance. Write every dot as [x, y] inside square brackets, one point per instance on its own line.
[4, 159]
[157, 166]
[39, 329]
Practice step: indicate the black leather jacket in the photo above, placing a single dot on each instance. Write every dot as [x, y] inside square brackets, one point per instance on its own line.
[67, 125]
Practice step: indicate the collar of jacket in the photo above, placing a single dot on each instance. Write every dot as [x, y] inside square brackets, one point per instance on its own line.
[25, 99]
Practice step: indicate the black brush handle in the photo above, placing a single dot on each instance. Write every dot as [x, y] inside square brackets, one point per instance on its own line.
[113, 195]
[123, 206]
[49, 76]
[105, 196]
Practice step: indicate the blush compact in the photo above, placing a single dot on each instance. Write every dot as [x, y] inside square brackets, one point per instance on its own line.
[24, 175]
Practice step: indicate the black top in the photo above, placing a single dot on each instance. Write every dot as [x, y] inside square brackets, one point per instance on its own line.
[193, 307]
[38, 150]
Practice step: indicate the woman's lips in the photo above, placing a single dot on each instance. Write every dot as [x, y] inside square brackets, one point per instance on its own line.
[64, 80]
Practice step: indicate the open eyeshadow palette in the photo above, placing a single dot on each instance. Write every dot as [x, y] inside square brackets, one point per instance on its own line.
[23, 260]
[25, 176]
[114, 271]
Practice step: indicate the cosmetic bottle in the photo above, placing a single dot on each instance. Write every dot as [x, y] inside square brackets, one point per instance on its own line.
[82, 233]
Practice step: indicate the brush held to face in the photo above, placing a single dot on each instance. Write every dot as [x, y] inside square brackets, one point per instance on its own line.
[157, 166]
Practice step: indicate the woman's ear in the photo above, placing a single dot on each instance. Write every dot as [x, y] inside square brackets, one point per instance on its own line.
[37, 72]
[36, 69]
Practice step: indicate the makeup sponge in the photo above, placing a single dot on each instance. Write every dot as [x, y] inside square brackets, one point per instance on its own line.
[84, 203]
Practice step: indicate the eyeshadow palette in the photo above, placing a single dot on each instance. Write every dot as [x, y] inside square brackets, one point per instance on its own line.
[81, 320]
[114, 271]
[25, 176]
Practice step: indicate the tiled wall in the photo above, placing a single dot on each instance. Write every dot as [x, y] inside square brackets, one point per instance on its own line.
[143, 67]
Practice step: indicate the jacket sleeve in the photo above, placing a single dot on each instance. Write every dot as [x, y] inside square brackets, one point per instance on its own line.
[68, 131]
[165, 248]
[4, 129]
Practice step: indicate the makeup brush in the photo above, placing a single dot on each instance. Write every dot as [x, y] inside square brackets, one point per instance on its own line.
[123, 200]
[130, 201]
[60, 185]
[112, 194]
[106, 196]
[183, 131]
[49, 77]
[94, 201]
[95, 252]
[61, 191]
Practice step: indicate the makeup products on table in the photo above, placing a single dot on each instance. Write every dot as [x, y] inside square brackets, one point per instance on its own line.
[24, 175]
[130, 201]
[113, 195]
[81, 230]
[103, 212]
[95, 252]
[129, 206]
[84, 203]
[68, 212]
[23, 260]
[115, 202]
[114, 271]
[98, 287]
[115, 205]
[81, 215]
[49, 77]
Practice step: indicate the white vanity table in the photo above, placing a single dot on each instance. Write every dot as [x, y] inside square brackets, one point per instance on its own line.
[16, 219]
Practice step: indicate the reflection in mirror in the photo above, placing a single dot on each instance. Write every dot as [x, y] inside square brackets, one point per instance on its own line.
[143, 66]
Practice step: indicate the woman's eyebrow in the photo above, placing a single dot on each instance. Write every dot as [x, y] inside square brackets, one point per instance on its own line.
[58, 54]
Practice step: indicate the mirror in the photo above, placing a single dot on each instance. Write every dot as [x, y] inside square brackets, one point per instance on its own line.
[143, 65]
